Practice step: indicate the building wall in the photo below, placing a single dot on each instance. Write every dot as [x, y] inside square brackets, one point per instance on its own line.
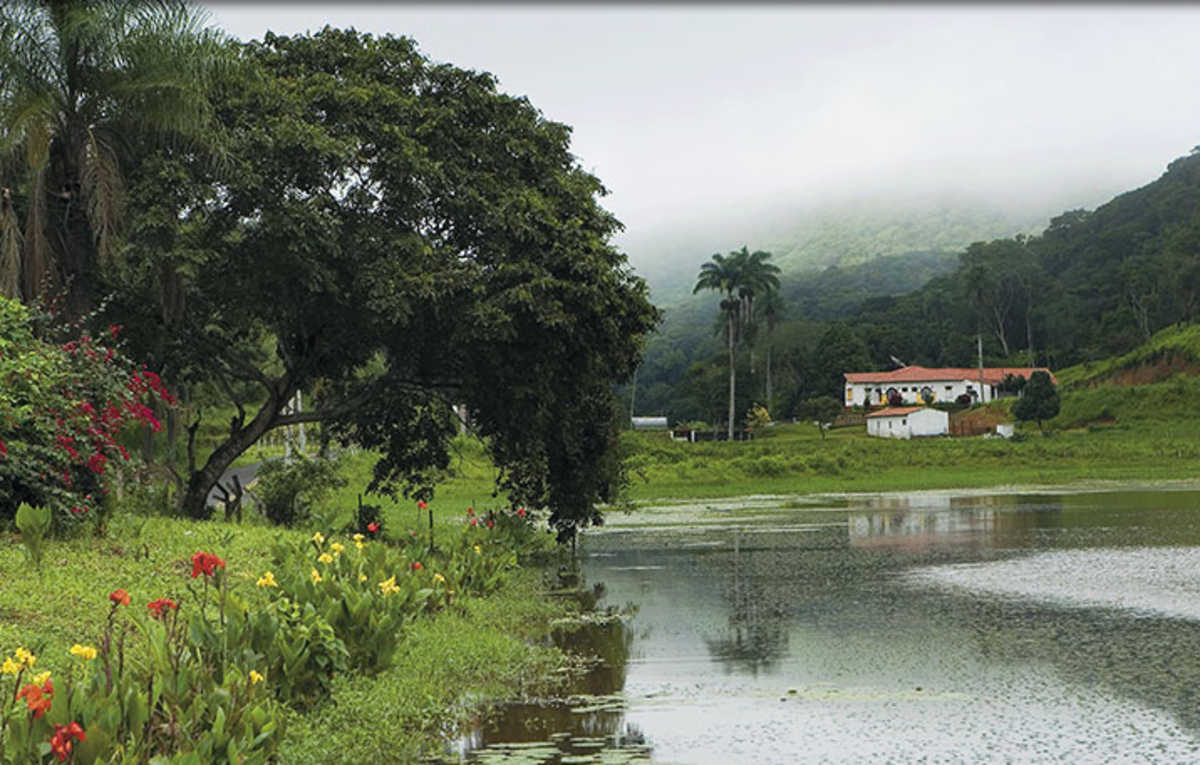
[926, 422]
[944, 391]
[929, 422]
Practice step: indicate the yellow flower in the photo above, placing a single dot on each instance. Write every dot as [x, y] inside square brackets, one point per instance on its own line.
[439, 578]
[325, 558]
[359, 545]
[25, 657]
[10, 667]
[478, 550]
[319, 538]
[40, 679]
[388, 586]
[85, 652]
[358, 537]
[255, 678]
[316, 575]
[362, 577]
[337, 548]
[267, 580]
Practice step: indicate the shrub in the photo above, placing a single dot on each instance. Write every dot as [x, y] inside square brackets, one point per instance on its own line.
[287, 491]
[65, 405]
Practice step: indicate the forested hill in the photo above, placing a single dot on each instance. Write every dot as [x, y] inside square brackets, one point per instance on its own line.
[1092, 285]
[842, 234]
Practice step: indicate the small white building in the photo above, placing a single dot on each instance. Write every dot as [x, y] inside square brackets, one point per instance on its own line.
[649, 423]
[908, 422]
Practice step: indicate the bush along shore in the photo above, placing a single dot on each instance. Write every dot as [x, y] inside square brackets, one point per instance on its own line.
[173, 641]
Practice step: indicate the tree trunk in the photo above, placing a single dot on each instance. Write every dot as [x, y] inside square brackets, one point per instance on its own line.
[770, 399]
[732, 375]
[200, 482]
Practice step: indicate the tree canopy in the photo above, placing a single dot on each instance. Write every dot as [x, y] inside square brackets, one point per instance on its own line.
[85, 86]
[396, 237]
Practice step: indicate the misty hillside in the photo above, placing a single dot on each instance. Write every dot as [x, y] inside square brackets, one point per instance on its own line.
[1093, 284]
[842, 235]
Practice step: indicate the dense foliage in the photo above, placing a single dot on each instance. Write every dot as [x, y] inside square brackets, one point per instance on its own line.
[395, 237]
[63, 407]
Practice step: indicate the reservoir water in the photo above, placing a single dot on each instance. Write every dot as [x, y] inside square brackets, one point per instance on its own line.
[926, 627]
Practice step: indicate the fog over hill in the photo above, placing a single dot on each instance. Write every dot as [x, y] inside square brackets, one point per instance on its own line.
[843, 230]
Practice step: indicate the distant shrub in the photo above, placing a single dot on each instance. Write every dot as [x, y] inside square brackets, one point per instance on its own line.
[288, 491]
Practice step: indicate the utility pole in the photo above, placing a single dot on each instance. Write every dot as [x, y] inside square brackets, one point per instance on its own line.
[979, 343]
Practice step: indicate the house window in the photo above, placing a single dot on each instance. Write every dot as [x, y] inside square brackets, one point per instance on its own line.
[904, 421]
[949, 387]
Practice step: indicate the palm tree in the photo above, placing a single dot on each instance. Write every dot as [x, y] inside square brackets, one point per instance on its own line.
[739, 276]
[770, 308]
[83, 86]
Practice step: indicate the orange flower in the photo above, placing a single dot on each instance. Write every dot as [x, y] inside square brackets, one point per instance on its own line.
[415, 565]
[158, 608]
[119, 597]
[37, 699]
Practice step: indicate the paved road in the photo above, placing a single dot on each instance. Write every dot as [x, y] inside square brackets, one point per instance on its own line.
[245, 475]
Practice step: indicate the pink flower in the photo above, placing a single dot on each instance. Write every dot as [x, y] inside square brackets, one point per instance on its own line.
[421, 504]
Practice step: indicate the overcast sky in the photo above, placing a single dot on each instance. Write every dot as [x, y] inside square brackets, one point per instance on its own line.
[694, 113]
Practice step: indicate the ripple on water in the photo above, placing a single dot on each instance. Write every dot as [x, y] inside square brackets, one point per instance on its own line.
[1146, 581]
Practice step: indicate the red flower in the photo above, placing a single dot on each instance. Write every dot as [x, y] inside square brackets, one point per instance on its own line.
[415, 565]
[490, 523]
[3, 450]
[421, 504]
[521, 512]
[60, 742]
[373, 527]
[470, 511]
[37, 699]
[474, 521]
[158, 608]
[96, 463]
[206, 563]
[115, 329]
[119, 597]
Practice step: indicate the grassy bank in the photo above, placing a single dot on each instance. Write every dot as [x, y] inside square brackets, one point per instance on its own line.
[448, 664]
[1140, 433]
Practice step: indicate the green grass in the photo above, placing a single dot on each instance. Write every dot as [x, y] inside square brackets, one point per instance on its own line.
[1152, 439]
[1178, 342]
[449, 664]
[492, 650]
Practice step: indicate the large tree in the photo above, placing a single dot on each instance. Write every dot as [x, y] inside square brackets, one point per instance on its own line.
[84, 87]
[740, 277]
[395, 236]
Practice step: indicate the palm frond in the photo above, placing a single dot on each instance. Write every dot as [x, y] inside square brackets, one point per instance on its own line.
[100, 182]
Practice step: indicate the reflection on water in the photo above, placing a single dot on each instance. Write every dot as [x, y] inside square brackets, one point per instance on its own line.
[884, 631]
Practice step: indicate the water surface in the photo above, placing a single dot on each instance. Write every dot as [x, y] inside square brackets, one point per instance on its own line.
[927, 627]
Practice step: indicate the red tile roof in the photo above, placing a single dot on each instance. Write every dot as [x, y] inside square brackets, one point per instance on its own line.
[914, 374]
[895, 411]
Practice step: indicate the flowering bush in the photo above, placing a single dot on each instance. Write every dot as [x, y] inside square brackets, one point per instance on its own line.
[62, 411]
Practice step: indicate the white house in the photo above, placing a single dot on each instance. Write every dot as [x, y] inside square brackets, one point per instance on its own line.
[908, 422]
[925, 385]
